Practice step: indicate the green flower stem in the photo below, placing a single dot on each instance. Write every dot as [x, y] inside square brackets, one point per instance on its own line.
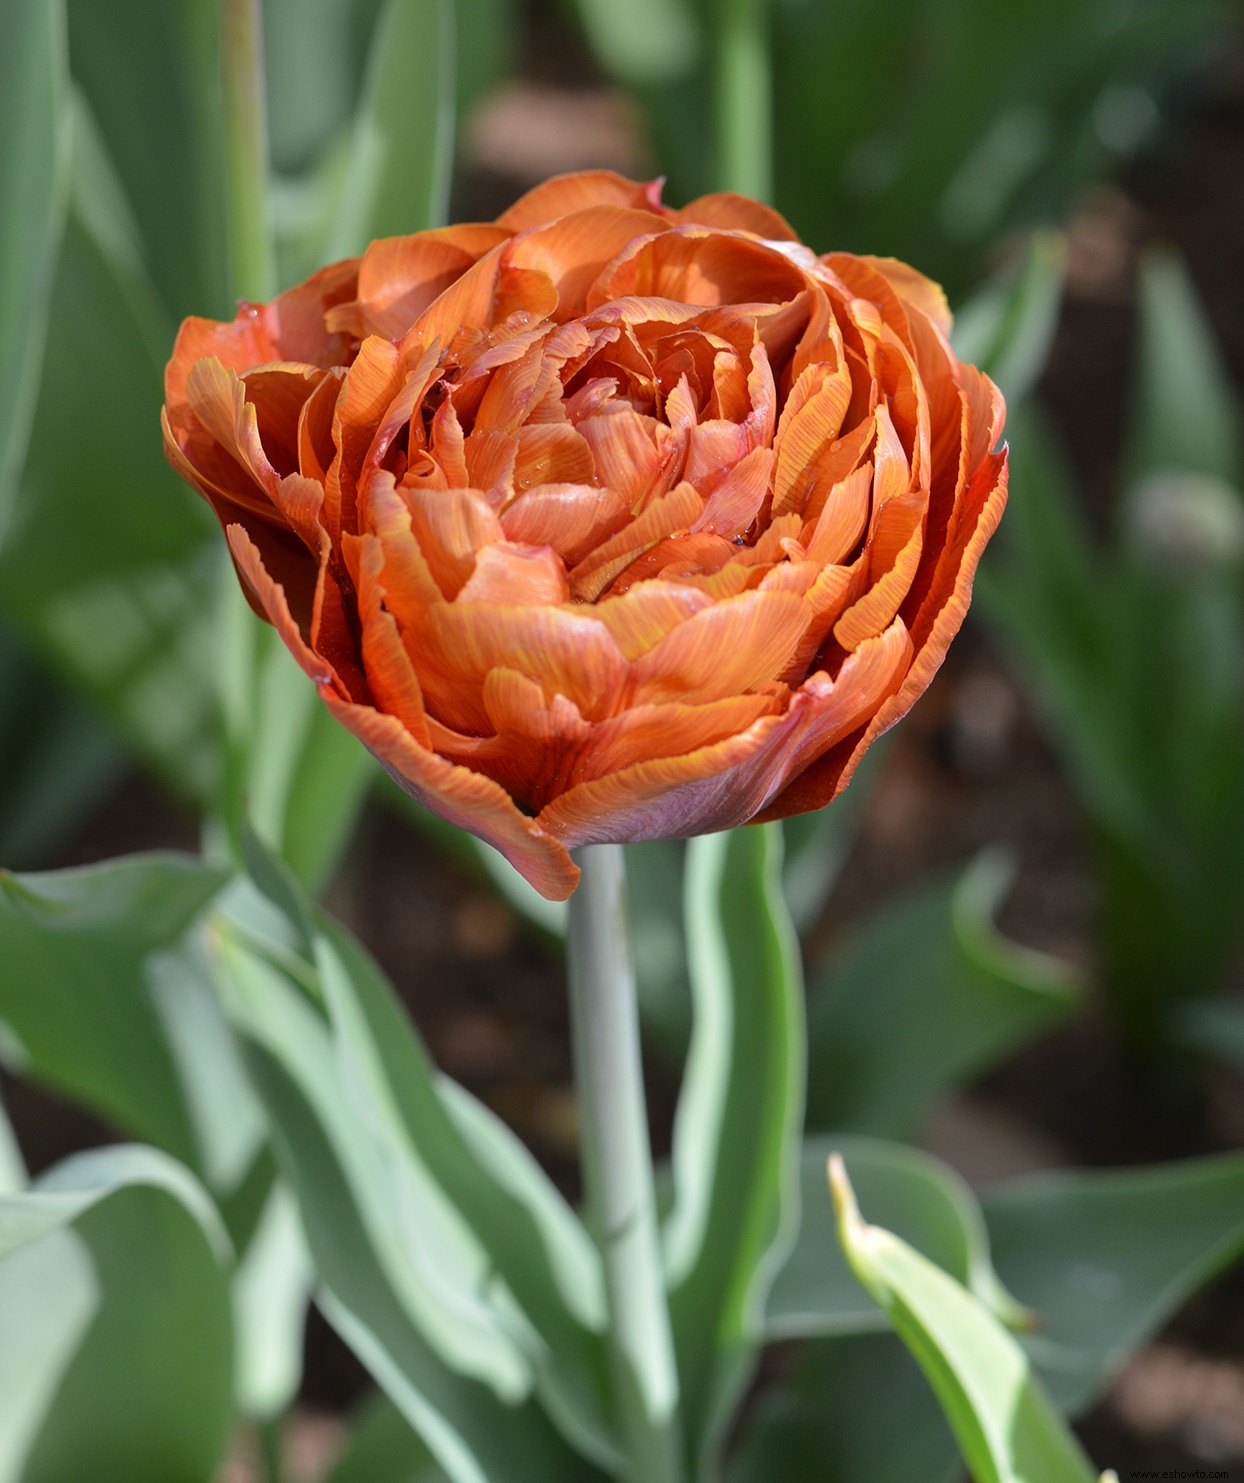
[253, 269]
[743, 99]
[617, 1167]
[252, 276]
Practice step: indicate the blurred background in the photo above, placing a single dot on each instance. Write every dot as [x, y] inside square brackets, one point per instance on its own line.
[1058, 829]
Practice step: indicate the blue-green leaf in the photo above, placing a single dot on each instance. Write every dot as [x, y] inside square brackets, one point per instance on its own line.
[920, 1199]
[1103, 1259]
[735, 1156]
[105, 1371]
[34, 124]
[103, 998]
[1006, 1427]
[924, 995]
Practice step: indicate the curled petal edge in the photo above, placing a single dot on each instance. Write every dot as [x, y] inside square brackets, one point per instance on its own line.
[455, 794]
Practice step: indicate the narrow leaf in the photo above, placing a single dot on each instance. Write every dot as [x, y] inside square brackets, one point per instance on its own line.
[1006, 1427]
[735, 1157]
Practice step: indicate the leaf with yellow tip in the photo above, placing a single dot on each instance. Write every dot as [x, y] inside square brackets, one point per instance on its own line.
[1006, 1427]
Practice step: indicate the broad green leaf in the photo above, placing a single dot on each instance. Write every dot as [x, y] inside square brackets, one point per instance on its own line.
[488, 1213]
[1214, 1028]
[315, 52]
[34, 124]
[13, 1176]
[397, 173]
[371, 1251]
[272, 1283]
[142, 60]
[1104, 1259]
[1185, 410]
[1006, 1427]
[56, 758]
[533, 1242]
[854, 1408]
[736, 1131]
[920, 1199]
[105, 999]
[118, 603]
[646, 41]
[104, 1371]
[384, 1448]
[1007, 328]
[926, 994]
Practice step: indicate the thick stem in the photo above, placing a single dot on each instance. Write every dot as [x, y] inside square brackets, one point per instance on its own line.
[743, 99]
[617, 1167]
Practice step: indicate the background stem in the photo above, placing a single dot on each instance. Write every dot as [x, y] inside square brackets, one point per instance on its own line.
[617, 1165]
[743, 99]
[253, 270]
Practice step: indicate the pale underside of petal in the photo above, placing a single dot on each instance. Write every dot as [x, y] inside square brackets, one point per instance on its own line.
[463, 798]
[728, 783]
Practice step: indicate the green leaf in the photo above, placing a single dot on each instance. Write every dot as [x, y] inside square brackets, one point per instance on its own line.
[272, 1283]
[384, 1448]
[1005, 1425]
[922, 997]
[118, 605]
[1007, 328]
[404, 1314]
[854, 1408]
[57, 758]
[532, 1241]
[397, 173]
[1185, 414]
[34, 123]
[646, 41]
[142, 60]
[736, 1131]
[916, 1196]
[13, 1174]
[115, 1343]
[105, 999]
[1104, 1259]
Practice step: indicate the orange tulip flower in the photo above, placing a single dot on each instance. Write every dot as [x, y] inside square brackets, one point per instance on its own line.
[604, 521]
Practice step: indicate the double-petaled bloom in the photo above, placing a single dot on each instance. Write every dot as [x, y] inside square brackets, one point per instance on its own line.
[604, 521]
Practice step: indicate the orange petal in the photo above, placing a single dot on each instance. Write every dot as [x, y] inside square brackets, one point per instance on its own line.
[390, 675]
[572, 518]
[462, 797]
[641, 617]
[576, 192]
[574, 250]
[451, 527]
[510, 574]
[843, 518]
[568, 651]
[725, 209]
[729, 648]
[696, 265]
[675, 511]
[399, 277]
[876, 609]
[736, 501]
[552, 453]
[626, 450]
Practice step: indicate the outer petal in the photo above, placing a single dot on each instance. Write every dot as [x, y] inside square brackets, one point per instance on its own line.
[574, 192]
[826, 778]
[453, 793]
[729, 783]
